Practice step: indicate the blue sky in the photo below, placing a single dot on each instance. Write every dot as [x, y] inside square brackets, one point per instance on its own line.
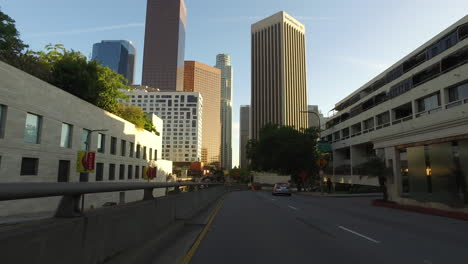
[348, 42]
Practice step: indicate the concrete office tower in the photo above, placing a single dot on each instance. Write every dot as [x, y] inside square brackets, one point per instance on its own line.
[223, 62]
[206, 80]
[244, 135]
[181, 113]
[119, 55]
[279, 91]
[163, 58]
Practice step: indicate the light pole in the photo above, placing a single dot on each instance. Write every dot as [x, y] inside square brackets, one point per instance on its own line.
[84, 176]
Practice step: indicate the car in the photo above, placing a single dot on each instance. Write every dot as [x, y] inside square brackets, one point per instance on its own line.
[282, 188]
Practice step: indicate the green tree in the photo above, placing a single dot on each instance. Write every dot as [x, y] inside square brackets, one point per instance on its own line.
[11, 46]
[240, 175]
[285, 150]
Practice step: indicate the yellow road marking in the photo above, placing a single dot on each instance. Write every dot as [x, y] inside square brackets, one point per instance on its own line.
[202, 235]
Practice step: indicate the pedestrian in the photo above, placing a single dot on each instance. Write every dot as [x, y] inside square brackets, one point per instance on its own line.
[329, 185]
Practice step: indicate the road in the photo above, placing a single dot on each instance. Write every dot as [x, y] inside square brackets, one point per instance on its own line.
[256, 227]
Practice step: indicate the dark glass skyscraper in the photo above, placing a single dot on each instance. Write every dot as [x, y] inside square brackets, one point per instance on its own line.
[119, 55]
[163, 58]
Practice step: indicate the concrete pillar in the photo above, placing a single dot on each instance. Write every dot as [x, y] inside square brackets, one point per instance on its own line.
[394, 183]
[443, 98]
[414, 108]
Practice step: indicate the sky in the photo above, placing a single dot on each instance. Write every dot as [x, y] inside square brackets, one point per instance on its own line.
[348, 42]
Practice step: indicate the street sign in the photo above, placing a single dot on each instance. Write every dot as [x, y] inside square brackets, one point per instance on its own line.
[85, 161]
[324, 146]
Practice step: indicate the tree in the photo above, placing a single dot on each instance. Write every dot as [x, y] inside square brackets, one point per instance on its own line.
[240, 175]
[375, 167]
[285, 150]
[11, 45]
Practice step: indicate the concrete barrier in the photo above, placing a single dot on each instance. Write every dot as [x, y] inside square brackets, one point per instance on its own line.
[101, 234]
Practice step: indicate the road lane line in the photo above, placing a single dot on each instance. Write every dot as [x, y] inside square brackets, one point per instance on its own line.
[358, 234]
[188, 257]
[292, 207]
[273, 199]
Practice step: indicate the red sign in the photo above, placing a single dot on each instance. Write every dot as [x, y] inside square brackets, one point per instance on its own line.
[90, 159]
[303, 175]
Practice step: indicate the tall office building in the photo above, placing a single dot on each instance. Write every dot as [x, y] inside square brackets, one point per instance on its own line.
[223, 62]
[206, 80]
[316, 118]
[279, 91]
[244, 136]
[119, 55]
[163, 58]
[181, 113]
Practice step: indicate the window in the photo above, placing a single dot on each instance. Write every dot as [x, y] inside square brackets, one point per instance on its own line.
[99, 171]
[155, 154]
[3, 110]
[32, 129]
[130, 172]
[400, 88]
[85, 136]
[458, 92]
[463, 31]
[29, 166]
[122, 172]
[426, 74]
[113, 147]
[111, 172]
[123, 147]
[132, 149]
[429, 102]
[455, 59]
[137, 172]
[383, 118]
[66, 136]
[191, 99]
[144, 153]
[403, 111]
[151, 154]
[143, 171]
[345, 132]
[138, 151]
[414, 61]
[63, 171]
[369, 123]
[101, 143]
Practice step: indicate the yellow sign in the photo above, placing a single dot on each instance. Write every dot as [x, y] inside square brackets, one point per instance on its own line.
[85, 161]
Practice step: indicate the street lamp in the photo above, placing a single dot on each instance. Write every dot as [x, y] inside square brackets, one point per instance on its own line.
[84, 176]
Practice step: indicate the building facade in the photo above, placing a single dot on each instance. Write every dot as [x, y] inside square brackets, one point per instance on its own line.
[244, 135]
[279, 90]
[223, 62]
[164, 51]
[119, 55]
[206, 80]
[42, 129]
[413, 116]
[316, 118]
[181, 113]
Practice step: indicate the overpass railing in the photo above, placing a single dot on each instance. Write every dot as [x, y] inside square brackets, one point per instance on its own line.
[74, 192]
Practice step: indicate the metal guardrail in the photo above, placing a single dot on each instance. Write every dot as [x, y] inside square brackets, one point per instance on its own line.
[73, 192]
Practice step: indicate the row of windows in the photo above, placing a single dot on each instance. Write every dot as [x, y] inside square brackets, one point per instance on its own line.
[30, 167]
[436, 48]
[447, 64]
[457, 95]
[33, 130]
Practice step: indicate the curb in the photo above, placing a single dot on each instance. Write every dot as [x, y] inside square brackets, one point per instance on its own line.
[421, 210]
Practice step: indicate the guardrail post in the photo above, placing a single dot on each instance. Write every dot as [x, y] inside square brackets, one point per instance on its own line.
[148, 194]
[69, 206]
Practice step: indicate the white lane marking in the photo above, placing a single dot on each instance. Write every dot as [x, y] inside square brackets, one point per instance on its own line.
[357, 234]
[292, 207]
[273, 199]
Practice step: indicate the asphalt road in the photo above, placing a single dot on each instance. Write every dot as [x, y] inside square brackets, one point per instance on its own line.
[256, 227]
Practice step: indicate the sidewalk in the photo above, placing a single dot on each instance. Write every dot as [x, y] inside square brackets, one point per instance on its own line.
[339, 195]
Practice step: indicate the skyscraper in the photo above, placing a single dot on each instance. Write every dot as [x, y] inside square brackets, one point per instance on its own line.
[223, 62]
[163, 58]
[119, 55]
[279, 91]
[206, 80]
[244, 137]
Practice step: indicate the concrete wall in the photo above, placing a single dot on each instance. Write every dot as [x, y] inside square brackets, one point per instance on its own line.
[21, 93]
[101, 234]
[270, 178]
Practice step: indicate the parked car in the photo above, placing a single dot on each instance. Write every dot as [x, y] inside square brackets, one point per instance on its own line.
[281, 188]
